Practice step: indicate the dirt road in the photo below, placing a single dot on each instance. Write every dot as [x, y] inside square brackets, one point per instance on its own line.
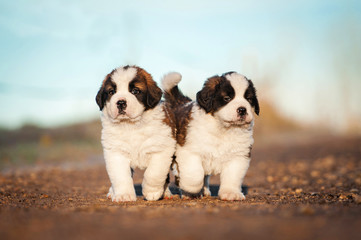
[295, 190]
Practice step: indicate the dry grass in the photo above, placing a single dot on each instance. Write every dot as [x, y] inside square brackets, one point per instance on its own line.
[31, 145]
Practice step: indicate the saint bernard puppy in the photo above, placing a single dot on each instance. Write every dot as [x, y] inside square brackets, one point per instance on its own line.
[214, 134]
[135, 133]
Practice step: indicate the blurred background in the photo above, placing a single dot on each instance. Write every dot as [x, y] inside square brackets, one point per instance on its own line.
[304, 58]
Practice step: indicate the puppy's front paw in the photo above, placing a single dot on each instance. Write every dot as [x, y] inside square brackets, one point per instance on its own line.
[229, 195]
[153, 195]
[121, 197]
[125, 197]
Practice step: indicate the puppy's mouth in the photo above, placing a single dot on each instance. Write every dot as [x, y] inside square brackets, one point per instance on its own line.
[239, 123]
[125, 117]
[121, 115]
[121, 112]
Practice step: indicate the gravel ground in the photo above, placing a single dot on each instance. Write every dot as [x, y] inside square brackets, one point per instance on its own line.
[305, 189]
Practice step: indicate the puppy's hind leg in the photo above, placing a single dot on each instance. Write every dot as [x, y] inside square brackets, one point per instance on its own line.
[155, 176]
[167, 193]
[191, 174]
[206, 190]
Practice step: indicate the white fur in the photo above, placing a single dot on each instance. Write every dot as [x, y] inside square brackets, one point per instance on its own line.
[228, 114]
[170, 80]
[217, 145]
[134, 108]
[138, 140]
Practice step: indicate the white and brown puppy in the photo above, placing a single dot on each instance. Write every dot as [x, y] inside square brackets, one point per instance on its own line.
[135, 133]
[214, 134]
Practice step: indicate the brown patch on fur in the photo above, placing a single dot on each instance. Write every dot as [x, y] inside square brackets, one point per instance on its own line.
[147, 82]
[150, 94]
[169, 119]
[142, 86]
[175, 97]
[178, 108]
[183, 116]
[144, 75]
[178, 119]
[149, 86]
[212, 82]
[211, 96]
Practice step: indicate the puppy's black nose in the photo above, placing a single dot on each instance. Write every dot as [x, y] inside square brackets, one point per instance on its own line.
[122, 104]
[242, 111]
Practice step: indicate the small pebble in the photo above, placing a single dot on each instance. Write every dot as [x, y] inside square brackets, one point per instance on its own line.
[315, 174]
[44, 196]
[270, 179]
[298, 190]
[342, 197]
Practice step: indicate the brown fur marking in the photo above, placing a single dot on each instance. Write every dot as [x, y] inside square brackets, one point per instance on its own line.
[183, 116]
[169, 119]
[153, 92]
[178, 119]
[212, 82]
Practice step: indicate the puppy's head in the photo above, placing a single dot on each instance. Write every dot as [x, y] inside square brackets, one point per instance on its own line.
[127, 92]
[230, 98]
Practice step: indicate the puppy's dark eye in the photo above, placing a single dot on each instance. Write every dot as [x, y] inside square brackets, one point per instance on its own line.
[111, 92]
[227, 98]
[249, 99]
[135, 91]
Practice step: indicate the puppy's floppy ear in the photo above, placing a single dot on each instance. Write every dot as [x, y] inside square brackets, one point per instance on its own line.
[256, 107]
[153, 95]
[101, 96]
[254, 100]
[205, 97]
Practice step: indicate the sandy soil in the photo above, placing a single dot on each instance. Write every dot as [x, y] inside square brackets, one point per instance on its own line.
[295, 190]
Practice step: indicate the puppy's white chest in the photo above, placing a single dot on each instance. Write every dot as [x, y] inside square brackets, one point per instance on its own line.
[137, 142]
[224, 147]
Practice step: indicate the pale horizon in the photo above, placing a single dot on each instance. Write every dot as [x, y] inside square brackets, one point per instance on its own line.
[303, 56]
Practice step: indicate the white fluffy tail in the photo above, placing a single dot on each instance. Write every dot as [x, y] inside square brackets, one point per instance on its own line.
[170, 80]
[172, 95]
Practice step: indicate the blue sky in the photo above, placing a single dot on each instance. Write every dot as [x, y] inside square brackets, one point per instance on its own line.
[304, 56]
